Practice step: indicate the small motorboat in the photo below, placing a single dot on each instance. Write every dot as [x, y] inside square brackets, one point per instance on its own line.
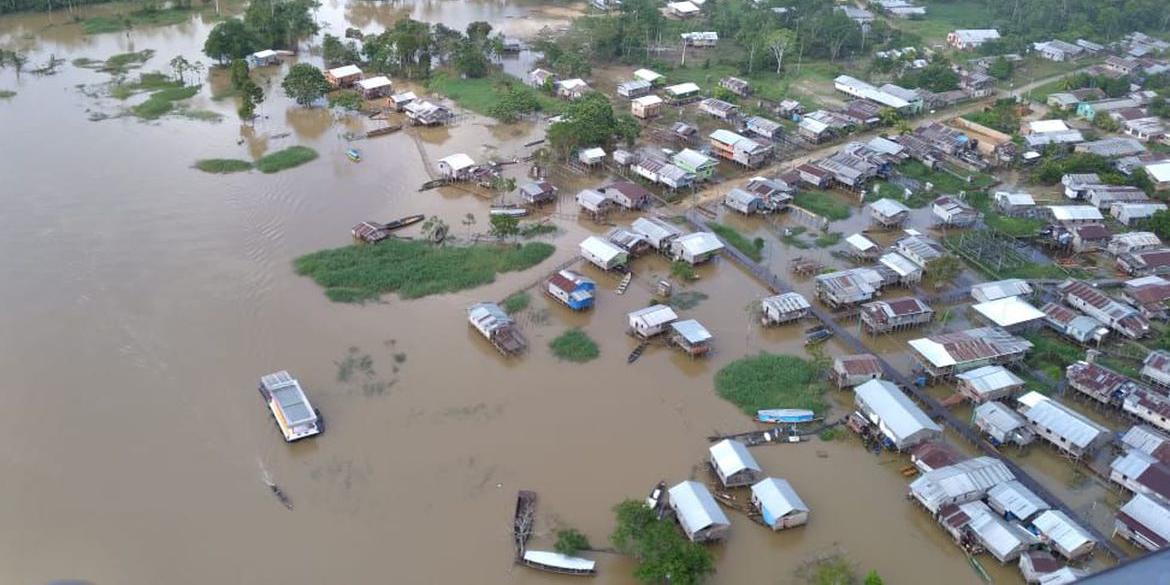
[403, 222]
[354, 155]
[785, 415]
[817, 335]
[508, 210]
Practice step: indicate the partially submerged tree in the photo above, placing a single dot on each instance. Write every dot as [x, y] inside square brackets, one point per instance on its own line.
[230, 39]
[570, 541]
[505, 226]
[663, 554]
[305, 84]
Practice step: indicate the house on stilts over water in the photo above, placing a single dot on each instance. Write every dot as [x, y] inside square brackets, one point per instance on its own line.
[499, 328]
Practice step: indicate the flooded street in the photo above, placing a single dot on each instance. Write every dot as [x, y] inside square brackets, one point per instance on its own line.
[143, 300]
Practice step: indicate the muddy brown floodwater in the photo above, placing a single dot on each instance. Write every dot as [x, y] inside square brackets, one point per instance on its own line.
[142, 300]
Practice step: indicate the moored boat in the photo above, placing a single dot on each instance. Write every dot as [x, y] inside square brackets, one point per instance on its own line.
[554, 562]
[354, 155]
[523, 518]
[817, 335]
[785, 415]
[295, 416]
[508, 210]
[405, 221]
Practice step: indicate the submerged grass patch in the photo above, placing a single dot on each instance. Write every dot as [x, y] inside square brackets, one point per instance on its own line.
[753, 249]
[6, 94]
[293, 156]
[823, 204]
[223, 166]
[413, 269]
[163, 101]
[828, 239]
[95, 25]
[122, 62]
[771, 381]
[200, 115]
[154, 81]
[574, 346]
[516, 302]
[532, 230]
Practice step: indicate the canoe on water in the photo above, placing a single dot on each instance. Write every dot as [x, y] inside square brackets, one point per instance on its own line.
[404, 221]
[785, 415]
[354, 155]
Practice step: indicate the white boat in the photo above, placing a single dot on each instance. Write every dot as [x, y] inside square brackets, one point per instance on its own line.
[509, 210]
[295, 416]
[785, 415]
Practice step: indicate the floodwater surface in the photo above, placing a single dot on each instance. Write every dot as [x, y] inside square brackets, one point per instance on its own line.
[143, 299]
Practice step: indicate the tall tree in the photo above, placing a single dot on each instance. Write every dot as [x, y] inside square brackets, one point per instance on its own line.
[778, 43]
[305, 84]
[230, 39]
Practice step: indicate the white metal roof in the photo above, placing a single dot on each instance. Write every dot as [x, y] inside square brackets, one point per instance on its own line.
[990, 291]
[345, 71]
[654, 228]
[998, 415]
[1065, 422]
[571, 84]
[555, 559]
[1144, 439]
[691, 158]
[990, 378]
[682, 88]
[375, 82]
[654, 315]
[740, 196]
[1047, 126]
[1075, 213]
[1009, 311]
[1000, 537]
[648, 100]
[1149, 513]
[777, 496]
[1012, 496]
[888, 207]
[406, 96]
[691, 330]
[899, 415]
[601, 249]
[1159, 172]
[696, 506]
[684, 7]
[647, 75]
[787, 302]
[595, 152]
[899, 264]
[1058, 527]
[699, 243]
[732, 457]
[974, 476]
[266, 53]
[1133, 464]
[458, 161]
[861, 242]
[1015, 198]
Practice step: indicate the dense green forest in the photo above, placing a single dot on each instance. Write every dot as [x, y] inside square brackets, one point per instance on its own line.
[1022, 21]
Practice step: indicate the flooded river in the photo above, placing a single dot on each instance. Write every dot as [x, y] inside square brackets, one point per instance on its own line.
[143, 299]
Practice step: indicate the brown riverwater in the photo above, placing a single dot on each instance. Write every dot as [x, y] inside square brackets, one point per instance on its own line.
[142, 299]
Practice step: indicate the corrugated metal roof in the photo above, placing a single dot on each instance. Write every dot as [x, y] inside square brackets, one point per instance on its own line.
[1132, 464]
[777, 497]
[1001, 538]
[787, 302]
[742, 197]
[1012, 496]
[888, 207]
[601, 249]
[990, 378]
[1075, 213]
[732, 457]
[695, 504]
[1061, 530]
[654, 228]
[1145, 439]
[901, 265]
[654, 315]
[1063, 421]
[963, 479]
[899, 415]
[1008, 311]
[699, 243]
[971, 345]
[861, 242]
[1000, 416]
[691, 330]
[1149, 513]
[458, 161]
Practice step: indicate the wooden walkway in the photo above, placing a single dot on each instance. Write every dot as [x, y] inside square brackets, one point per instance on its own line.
[933, 408]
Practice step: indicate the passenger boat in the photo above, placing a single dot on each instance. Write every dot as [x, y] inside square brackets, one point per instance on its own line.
[354, 155]
[295, 416]
[785, 415]
[554, 562]
[508, 210]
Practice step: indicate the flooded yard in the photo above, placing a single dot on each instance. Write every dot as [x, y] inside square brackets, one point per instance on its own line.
[143, 300]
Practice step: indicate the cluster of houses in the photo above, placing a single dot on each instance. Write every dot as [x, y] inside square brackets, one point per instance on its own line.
[614, 251]
[687, 335]
[774, 501]
[903, 264]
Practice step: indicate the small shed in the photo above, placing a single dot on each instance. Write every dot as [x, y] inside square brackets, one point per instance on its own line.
[456, 166]
[375, 87]
[343, 76]
[697, 513]
[571, 88]
[1064, 536]
[264, 58]
[852, 370]
[888, 213]
[988, 383]
[603, 254]
[499, 328]
[646, 107]
[572, 289]
[399, 100]
[591, 156]
[691, 337]
[538, 192]
[1002, 424]
[743, 201]
[651, 321]
[696, 248]
[658, 232]
[784, 308]
[733, 464]
[779, 504]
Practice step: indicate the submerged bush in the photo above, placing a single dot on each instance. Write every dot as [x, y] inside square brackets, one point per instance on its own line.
[293, 156]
